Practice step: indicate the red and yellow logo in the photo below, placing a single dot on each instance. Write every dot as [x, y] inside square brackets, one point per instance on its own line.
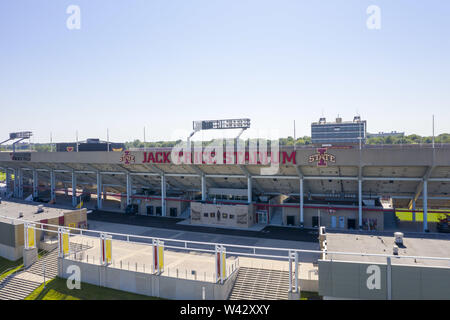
[127, 158]
[322, 157]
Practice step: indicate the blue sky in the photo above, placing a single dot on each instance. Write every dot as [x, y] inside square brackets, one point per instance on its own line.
[163, 63]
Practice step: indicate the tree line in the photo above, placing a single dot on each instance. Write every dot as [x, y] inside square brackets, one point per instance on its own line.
[289, 141]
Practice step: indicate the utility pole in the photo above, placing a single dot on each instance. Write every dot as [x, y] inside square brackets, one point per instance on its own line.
[433, 131]
[295, 138]
[107, 139]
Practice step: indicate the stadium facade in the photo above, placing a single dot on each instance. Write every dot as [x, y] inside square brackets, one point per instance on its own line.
[340, 186]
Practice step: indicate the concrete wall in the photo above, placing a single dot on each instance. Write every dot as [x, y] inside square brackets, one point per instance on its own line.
[325, 217]
[147, 284]
[230, 215]
[144, 203]
[340, 279]
[390, 156]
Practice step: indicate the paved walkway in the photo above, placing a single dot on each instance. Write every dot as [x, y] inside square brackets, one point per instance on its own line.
[269, 232]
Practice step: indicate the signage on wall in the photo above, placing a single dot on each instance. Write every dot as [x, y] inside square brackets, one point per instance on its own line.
[127, 158]
[322, 157]
[20, 156]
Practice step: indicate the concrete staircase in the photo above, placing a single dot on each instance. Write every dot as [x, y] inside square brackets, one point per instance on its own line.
[19, 285]
[50, 260]
[260, 284]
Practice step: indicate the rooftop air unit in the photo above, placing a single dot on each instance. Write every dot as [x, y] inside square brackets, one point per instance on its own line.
[398, 236]
[40, 208]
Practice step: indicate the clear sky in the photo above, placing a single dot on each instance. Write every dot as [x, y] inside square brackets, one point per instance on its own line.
[163, 63]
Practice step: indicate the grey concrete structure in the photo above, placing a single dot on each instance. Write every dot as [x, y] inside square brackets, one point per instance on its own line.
[396, 171]
[146, 283]
[420, 270]
[356, 280]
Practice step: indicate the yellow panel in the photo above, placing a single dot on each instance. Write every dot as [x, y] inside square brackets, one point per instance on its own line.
[108, 250]
[30, 238]
[65, 240]
[224, 265]
[161, 257]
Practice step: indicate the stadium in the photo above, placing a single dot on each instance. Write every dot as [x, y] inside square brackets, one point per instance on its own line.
[338, 184]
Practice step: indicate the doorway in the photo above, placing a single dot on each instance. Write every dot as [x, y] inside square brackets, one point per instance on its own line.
[351, 223]
[342, 222]
[315, 222]
[290, 220]
[333, 221]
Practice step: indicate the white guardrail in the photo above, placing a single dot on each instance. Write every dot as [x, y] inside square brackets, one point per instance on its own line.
[189, 245]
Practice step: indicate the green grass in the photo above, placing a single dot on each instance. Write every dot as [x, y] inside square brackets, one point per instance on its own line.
[6, 264]
[56, 289]
[306, 295]
[431, 217]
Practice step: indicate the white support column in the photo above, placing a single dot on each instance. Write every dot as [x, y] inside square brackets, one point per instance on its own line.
[16, 184]
[35, 184]
[74, 188]
[7, 181]
[360, 203]
[290, 271]
[99, 190]
[204, 194]
[249, 189]
[20, 180]
[52, 185]
[129, 182]
[425, 205]
[389, 278]
[163, 195]
[301, 203]
[296, 272]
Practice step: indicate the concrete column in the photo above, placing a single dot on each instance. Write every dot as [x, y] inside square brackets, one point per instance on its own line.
[52, 185]
[425, 205]
[7, 177]
[301, 203]
[296, 272]
[99, 190]
[163, 195]
[249, 189]
[20, 180]
[414, 210]
[129, 182]
[360, 203]
[16, 184]
[74, 188]
[290, 271]
[389, 278]
[204, 194]
[35, 184]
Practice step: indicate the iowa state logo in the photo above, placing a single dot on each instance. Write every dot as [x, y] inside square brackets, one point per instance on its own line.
[69, 149]
[322, 157]
[127, 158]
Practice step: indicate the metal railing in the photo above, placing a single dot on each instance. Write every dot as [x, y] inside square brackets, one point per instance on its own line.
[188, 245]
